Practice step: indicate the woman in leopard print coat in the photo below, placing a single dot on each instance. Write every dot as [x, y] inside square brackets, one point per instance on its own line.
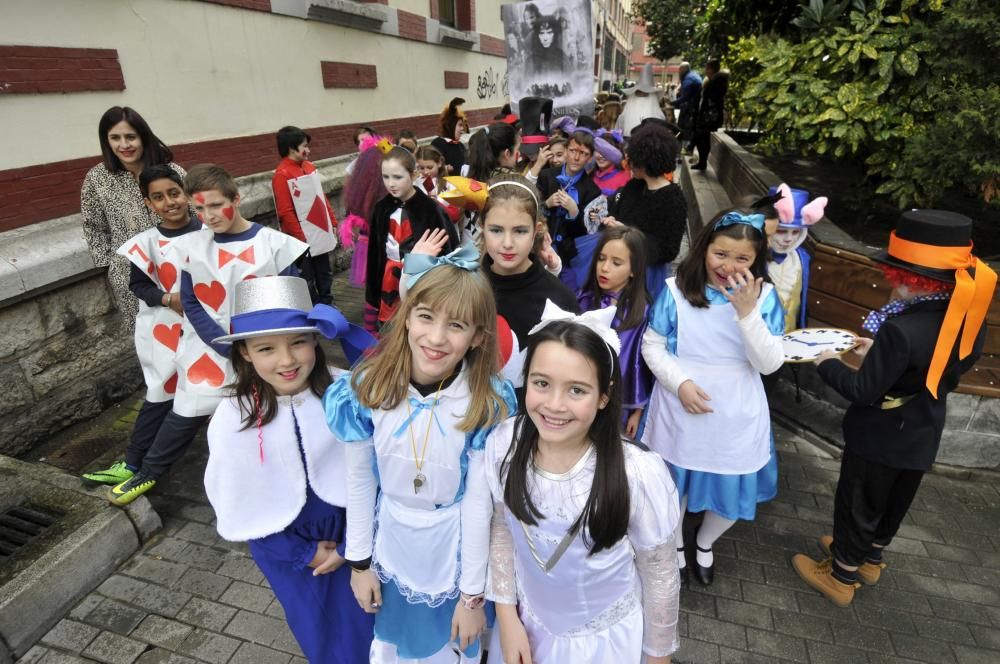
[111, 203]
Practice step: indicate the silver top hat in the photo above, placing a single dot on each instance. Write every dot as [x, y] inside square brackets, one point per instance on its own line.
[265, 294]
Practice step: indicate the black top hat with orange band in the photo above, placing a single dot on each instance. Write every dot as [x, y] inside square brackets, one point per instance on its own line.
[938, 244]
[536, 121]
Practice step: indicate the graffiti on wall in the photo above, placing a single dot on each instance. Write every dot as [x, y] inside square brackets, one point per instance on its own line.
[491, 83]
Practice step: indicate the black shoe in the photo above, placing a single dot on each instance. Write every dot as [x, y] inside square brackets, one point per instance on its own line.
[705, 575]
[699, 167]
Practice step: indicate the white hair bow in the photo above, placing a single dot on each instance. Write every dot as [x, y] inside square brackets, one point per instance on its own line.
[598, 321]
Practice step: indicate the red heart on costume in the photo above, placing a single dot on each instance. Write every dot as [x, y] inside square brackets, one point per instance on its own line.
[506, 341]
[167, 274]
[474, 186]
[168, 335]
[205, 370]
[249, 276]
[213, 294]
[171, 385]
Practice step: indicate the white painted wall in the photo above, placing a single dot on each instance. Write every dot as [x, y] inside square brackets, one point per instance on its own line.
[199, 71]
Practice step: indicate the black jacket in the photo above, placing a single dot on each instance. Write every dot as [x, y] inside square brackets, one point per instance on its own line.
[896, 365]
[661, 215]
[424, 214]
[521, 297]
[454, 154]
[564, 230]
[713, 102]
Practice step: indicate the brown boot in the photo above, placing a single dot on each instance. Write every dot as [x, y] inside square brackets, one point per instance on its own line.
[819, 576]
[869, 573]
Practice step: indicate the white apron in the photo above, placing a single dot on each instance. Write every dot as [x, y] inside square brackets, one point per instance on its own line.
[215, 269]
[402, 533]
[735, 438]
[313, 213]
[157, 329]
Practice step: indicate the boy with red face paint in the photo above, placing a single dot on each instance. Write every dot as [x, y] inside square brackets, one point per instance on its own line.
[227, 250]
[154, 282]
[304, 211]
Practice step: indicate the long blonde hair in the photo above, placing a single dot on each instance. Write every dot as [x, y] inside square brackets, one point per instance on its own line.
[382, 379]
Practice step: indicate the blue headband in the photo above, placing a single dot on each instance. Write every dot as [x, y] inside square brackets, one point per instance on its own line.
[733, 218]
[466, 257]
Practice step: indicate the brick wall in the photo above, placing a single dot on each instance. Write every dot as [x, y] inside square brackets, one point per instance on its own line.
[37, 193]
[49, 69]
[412, 26]
[349, 75]
[456, 80]
[465, 14]
[492, 46]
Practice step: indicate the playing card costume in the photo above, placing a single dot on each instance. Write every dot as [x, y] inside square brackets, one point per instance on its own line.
[213, 264]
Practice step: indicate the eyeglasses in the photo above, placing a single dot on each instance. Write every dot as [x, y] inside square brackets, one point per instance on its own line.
[573, 152]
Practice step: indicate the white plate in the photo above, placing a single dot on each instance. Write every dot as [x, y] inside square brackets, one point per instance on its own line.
[807, 344]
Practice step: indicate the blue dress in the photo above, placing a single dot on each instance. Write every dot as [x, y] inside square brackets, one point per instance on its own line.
[320, 610]
[731, 496]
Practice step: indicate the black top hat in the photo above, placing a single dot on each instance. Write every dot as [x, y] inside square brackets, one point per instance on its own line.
[536, 118]
[933, 228]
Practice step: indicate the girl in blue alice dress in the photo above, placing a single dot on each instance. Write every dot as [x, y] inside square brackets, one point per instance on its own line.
[713, 331]
[415, 415]
[276, 477]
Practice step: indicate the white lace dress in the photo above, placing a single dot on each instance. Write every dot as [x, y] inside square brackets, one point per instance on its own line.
[612, 606]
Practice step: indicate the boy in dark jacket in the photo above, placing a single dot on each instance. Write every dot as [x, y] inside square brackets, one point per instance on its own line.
[929, 334]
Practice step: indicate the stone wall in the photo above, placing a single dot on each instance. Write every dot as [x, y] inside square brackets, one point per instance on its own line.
[972, 430]
[63, 358]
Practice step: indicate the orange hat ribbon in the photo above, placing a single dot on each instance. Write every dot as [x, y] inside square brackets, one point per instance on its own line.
[969, 302]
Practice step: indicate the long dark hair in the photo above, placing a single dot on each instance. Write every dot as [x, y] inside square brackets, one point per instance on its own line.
[691, 272]
[606, 512]
[486, 146]
[633, 299]
[154, 151]
[256, 396]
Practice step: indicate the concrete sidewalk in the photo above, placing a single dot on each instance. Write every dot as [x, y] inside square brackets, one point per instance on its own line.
[189, 596]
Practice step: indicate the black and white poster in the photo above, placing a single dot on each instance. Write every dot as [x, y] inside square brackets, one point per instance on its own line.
[550, 53]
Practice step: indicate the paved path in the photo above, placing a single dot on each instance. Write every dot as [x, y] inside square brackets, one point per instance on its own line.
[189, 596]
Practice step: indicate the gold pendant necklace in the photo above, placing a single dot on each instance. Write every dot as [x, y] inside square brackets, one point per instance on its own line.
[420, 479]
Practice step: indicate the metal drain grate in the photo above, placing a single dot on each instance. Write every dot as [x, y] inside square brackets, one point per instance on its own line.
[21, 524]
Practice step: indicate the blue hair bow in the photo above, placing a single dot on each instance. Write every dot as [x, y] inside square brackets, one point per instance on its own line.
[733, 218]
[332, 325]
[466, 257]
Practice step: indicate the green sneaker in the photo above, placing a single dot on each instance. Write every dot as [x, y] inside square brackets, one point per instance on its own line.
[130, 489]
[116, 474]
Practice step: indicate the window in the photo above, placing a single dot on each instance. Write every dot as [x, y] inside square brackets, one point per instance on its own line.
[446, 12]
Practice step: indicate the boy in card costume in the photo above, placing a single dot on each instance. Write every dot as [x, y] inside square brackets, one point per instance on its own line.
[229, 250]
[926, 337]
[154, 281]
[788, 261]
[304, 211]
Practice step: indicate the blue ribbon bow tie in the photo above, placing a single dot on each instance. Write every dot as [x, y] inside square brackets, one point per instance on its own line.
[416, 405]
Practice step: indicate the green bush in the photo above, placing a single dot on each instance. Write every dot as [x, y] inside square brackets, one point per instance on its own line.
[911, 89]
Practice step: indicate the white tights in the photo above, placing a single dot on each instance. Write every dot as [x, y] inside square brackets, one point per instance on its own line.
[711, 529]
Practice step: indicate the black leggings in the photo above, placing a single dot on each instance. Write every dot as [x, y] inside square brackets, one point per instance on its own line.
[703, 143]
[870, 503]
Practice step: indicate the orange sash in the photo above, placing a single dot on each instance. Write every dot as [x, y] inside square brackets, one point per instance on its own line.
[969, 302]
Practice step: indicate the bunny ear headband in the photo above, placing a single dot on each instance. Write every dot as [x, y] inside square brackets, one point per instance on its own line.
[597, 321]
[607, 150]
[794, 211]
